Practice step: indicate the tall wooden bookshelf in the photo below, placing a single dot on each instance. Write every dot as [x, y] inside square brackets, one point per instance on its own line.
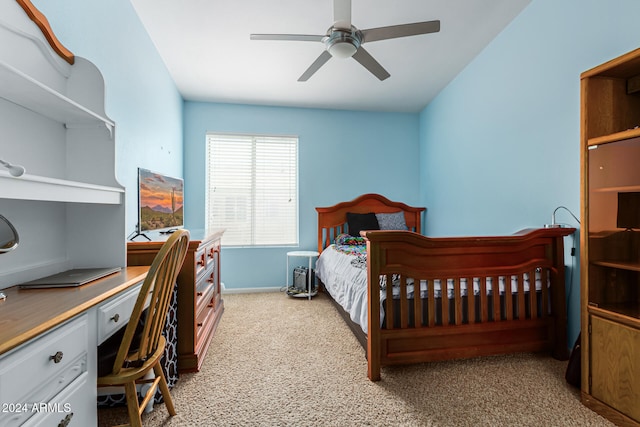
[610, 238]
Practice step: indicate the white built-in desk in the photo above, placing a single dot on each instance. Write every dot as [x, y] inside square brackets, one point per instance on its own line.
[48, 347]
[70, 213]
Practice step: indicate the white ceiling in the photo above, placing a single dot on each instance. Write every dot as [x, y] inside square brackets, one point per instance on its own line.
[205, 45]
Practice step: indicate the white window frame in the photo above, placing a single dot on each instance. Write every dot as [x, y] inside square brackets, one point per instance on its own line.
[252, 200]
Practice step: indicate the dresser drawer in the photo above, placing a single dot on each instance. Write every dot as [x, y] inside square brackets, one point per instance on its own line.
[40, 369]
[212, 250]
[204, 317]
[206, 258]
[115, 313]
[204, 287]
[200, 259]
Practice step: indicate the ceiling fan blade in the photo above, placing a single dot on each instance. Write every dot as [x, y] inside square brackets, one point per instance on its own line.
[368, 62]
[342, 14]
[319, 62]
[404, 30]
[292, 37]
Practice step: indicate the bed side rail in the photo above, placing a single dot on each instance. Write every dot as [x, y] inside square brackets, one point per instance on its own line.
[464, 280]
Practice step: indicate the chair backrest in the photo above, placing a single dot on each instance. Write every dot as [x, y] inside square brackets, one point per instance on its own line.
[157, 288]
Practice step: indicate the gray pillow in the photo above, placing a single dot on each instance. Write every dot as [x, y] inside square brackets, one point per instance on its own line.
[392, 221]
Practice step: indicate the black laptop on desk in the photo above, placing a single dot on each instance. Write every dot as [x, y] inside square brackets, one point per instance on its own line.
[70, 278]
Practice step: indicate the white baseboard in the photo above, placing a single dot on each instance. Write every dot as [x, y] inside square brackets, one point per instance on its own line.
[252, 290]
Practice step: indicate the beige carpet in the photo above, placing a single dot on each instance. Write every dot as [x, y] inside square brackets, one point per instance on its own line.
[280, 361]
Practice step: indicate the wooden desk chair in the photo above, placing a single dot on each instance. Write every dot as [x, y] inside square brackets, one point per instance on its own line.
[135, 359]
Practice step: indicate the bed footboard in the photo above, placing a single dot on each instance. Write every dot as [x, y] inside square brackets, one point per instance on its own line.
[462, 297]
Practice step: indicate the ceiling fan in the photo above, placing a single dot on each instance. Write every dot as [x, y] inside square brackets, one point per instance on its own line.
[343, 40]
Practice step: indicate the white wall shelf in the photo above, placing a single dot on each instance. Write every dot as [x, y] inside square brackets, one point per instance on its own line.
[21, 89]
[33, 187]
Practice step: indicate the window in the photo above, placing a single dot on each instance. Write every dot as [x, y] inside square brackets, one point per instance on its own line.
[252, 189]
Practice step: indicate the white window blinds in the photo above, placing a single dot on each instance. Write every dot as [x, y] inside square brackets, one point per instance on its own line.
[252, 189]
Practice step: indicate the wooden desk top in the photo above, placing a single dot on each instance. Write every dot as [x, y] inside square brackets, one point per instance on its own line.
[26, 313]
[196, 238]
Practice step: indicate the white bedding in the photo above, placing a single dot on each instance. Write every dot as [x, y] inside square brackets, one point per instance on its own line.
[347, 285]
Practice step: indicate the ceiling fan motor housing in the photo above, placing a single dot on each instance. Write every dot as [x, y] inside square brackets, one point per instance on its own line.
[343, 43]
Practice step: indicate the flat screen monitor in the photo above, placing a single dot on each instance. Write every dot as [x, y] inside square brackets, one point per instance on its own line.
[160, 201]
[629, 210]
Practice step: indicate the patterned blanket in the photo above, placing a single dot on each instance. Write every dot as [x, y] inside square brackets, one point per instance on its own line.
[356, 246]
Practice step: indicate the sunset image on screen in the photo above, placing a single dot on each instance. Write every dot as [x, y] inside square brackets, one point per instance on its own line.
[161, 201]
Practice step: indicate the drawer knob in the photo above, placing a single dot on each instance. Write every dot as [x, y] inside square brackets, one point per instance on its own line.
[65, 421]
[115, 317]
[199, 324]
[56, 357]
[199, 294]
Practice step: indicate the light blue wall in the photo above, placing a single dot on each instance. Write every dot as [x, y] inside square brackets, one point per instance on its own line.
[342, 154]
[499, 147]
[141, 97]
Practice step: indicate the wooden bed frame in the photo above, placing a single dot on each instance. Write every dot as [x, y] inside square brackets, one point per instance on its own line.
[412, 333]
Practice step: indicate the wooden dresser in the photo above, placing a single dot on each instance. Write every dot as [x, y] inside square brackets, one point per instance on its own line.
[200, 304]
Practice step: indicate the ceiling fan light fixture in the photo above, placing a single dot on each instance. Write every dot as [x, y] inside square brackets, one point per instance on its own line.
[342, 44]
[342, 49]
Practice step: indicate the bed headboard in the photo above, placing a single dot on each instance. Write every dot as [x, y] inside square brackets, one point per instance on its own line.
[332, 220]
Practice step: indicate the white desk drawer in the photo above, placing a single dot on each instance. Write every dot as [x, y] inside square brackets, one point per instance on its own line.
[115, 313]
[75, 406]
[41, 368]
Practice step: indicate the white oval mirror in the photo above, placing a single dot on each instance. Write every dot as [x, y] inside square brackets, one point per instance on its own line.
[8, 236]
